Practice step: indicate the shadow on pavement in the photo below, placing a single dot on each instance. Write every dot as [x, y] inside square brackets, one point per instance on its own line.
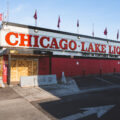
[8, 93]
[97, 81]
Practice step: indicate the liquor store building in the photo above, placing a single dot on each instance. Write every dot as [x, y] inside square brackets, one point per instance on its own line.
[29, 50]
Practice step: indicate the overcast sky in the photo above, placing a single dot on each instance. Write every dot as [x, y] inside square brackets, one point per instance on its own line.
[103, 13]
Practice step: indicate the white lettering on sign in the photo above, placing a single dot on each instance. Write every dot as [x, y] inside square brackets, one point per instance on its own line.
[45, 42]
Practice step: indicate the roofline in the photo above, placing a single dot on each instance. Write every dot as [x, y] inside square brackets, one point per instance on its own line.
[56, 31]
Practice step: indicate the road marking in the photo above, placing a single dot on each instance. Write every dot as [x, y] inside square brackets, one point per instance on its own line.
[99, 89]
[100, 111]
[104, 80]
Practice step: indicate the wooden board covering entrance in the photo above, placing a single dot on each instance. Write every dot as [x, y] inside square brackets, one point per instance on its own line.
[23, 67]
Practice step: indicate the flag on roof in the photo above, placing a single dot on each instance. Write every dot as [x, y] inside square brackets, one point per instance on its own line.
[58, 25]
[117, 34]
[35, 15]
[105, 31]
[77, 23]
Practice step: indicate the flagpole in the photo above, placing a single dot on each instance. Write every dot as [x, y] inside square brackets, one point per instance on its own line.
[78, 30]
[36, 19]
[78, 26]
[36, 23]
[7, 11]
[93, 29]
[59, 28]
[58, 24]
[106, 34]
[118, 34]
[3, 17]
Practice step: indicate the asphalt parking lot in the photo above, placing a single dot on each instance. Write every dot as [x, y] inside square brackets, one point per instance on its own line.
[102, 105]
[98, 104]
[89, 98]
[97, 81]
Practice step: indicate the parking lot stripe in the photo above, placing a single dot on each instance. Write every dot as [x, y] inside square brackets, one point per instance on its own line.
[106, 81]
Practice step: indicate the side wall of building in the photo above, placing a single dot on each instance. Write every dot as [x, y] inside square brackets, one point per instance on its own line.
[43, 66]
[71, 66]
[84, 66]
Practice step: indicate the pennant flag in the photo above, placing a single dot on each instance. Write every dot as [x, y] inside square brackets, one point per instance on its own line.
[35, 15]
[118, 35]
[0, 16]
[105, 31]
[58, 25]
[77, 23]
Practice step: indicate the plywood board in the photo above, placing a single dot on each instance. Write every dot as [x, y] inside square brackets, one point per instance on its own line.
[35, 67]
[1, 66]
[13, 70]
[23, 67]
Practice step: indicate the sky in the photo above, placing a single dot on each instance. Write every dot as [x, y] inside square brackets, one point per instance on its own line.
[101, 13]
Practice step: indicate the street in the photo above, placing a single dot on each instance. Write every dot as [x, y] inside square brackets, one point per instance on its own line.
[102, 105]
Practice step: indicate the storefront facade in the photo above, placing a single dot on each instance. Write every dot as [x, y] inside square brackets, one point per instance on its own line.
[28, 50]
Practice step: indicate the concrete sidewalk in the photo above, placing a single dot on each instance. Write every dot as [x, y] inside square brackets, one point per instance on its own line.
[47, 93]
[15, 107]
[20, 109]
[8, 94]
[35, 94]
[55, 92]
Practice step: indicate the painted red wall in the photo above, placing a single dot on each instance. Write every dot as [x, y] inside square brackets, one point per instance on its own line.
[43, 66]
[70, 66]
[90, 66]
